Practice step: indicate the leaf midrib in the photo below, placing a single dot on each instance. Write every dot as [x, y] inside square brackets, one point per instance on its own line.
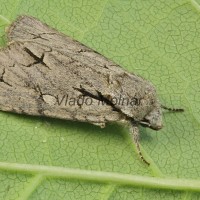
[104, 177]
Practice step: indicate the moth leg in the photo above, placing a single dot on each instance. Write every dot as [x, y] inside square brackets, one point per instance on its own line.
[172, 109]
[101, 124]
[135, 134]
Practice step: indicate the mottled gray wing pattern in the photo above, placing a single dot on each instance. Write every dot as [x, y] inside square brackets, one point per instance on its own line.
[44, 72]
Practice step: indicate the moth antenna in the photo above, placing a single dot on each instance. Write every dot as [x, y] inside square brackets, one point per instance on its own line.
[135, 134]
[173, 109]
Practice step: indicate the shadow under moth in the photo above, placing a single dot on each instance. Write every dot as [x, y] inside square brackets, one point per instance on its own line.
[46, 73]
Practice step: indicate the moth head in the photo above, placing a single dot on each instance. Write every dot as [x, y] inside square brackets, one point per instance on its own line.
[153, 119]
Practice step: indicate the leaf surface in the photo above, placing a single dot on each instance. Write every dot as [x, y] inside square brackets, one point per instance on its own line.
[45, 158]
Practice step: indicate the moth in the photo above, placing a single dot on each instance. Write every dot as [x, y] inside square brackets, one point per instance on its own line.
[46, 73]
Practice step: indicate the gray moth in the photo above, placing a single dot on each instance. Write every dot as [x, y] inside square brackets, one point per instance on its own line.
[46, 73]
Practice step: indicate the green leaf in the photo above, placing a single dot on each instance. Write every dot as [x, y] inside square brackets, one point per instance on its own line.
[45, 158]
